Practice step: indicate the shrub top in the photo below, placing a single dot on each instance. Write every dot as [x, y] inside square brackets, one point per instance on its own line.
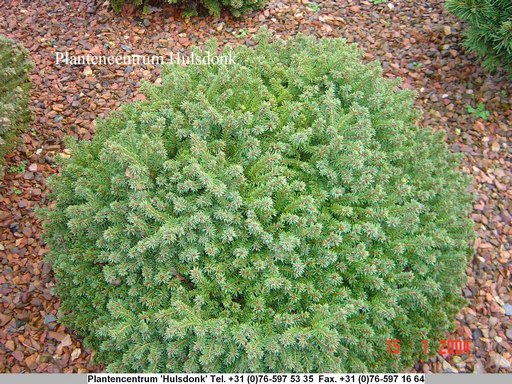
[284, 213]
[193, 7]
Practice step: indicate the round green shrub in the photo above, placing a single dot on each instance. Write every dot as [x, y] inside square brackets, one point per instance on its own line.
[488, 29]
[15, 116]
[284, 213]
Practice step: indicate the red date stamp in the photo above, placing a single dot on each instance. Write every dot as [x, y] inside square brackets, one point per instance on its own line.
[446, 347]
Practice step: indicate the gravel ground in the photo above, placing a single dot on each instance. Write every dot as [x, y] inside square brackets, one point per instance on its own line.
[416, 40]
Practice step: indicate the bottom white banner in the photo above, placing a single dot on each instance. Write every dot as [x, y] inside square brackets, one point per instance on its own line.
[258, 378]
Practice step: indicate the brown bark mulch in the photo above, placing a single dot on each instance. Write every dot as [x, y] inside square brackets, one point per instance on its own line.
[416, 40]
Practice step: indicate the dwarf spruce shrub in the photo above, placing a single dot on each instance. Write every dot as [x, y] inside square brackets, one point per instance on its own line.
[284, 213]
[15, 115]
[191, 7]
[489, 29]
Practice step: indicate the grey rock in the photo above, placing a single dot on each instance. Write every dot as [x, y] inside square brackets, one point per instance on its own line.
[49, 319]
[499, 361]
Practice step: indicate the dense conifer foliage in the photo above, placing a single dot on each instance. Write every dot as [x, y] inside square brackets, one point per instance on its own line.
[285, 213]
[489, 29]
[15, 115]
[192, 7]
